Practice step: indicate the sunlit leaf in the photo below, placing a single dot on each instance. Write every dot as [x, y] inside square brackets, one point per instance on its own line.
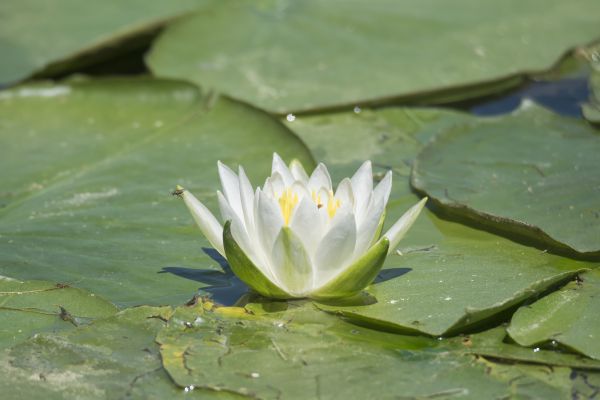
[449, 277]
[531, 173]
[568, 317]
[92, 163]
[306, 55]
[36, 306]
[58, 35]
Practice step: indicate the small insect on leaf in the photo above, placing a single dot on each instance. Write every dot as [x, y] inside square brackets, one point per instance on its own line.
[66, 316]
[178, 191]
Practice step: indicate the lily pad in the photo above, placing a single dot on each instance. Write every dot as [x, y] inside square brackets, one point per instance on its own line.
[544, 382]
[458, 282]
[531, 173]
[36, 306]
[493, 344]
[568, 317]
[314, 55]
[450, 277]
[93, 206]
[112, 358]
[78, 33]
[302, 353]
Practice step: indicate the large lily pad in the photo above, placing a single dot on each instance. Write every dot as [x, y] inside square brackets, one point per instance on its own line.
[91, 167]
[450, 277]
[37, 306]
[457, 280]
[55, 35]
[227, 352]
[113, 358]
[302, 353]
[568, 316]
[311, 55]
[531, 173]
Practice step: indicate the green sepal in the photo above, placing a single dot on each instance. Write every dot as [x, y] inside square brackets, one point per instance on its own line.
[379, 229]
[245, 269]
[356, 277]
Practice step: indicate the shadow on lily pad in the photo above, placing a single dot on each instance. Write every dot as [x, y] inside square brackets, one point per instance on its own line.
[227, 289]
[223, 286]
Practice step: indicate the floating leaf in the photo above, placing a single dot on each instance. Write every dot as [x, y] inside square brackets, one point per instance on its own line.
[494, 345]
[531, 173]
[112, 358]
[449, 277]
[568, 316]
[93, 205]
[302, 353]
[32, 307]
[544, 382]
[312, 55]
[457, 282]
[79, 33]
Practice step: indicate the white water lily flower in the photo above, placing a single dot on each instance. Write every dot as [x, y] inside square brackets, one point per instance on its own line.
[295, 237]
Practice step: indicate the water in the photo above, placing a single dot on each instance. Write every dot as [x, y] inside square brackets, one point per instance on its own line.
[564, 97]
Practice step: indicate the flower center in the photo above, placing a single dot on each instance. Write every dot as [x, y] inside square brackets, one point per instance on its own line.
[289, 200]
[332, 203]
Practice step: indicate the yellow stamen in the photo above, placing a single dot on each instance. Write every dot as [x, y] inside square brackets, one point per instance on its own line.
[287, 203]
[332, 205]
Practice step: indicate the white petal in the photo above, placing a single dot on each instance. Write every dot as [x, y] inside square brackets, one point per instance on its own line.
[247, 200]
[344, 193]
[242, 236]
[231, 187]
[362, 187]
[383, 189]
[298, 171]
[320, 178]
[291, 263]
[277, 184]
[322, 197]
[280, 167]
[399, 229]
[268, 221]
[368, 227]
[336, 248]
[306, 223]
[300, 189]
[206, 221]
[238, 228]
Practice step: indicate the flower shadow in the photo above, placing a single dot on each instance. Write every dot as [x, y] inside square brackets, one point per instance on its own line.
[225, 288]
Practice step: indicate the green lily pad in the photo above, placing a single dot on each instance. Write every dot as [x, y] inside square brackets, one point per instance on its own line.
[458, 282]
[450, 277]
[36, 306]
[544, 382]
[302, 353]
[493, 344]
[531, 173]
[568, 316]
[92, 165]
[112, 358]
[57, 35]
[313, 55]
